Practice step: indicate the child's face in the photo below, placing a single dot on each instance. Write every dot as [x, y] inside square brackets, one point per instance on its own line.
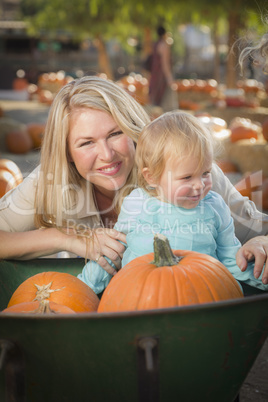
[184, 183]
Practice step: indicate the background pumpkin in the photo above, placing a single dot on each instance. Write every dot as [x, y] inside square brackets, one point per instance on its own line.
[159, 280]
[36, 133]
[7, 182]
[18, 142]
[12, 167]
[39, 307]
[58, 287]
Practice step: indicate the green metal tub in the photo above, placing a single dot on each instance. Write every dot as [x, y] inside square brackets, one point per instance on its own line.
[188, 354]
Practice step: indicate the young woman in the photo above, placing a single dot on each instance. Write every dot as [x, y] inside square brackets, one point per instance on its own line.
[87, 159]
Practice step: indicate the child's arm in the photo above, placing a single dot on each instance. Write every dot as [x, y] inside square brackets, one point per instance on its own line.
[228, 245]
[93, 274]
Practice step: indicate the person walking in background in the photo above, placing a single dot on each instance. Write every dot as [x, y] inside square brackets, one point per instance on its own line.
[161, 79]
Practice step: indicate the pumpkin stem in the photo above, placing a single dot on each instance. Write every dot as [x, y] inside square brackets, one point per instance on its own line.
[163, 255]
[43, 291]
[44, 308]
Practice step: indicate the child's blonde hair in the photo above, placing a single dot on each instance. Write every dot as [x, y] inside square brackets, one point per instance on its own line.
[170, 137]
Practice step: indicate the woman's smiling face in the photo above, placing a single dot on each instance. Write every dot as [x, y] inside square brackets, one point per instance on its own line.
[101, 152]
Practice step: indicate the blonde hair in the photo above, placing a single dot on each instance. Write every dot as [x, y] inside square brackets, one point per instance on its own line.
[257, 51]
[58, 176]
[171, 136]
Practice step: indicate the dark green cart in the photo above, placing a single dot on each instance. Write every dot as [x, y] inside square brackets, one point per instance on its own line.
[189, 354]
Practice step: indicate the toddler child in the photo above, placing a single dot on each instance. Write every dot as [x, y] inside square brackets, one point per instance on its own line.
[174, 157]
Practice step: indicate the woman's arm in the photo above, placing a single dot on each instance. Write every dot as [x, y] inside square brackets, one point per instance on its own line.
[248, 221]
[43, 242]
[228, 246]
[251, 226]
[30, 244]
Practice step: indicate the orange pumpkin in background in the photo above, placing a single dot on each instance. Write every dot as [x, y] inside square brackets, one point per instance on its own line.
[243, 133]
[39, 307]
[163, 279]
[244, 129]
[7, 182]
[58, 287]
[12, 167]
[20, 84]
[227, 166]
[10, 176]
[18, 142]
[36, 133]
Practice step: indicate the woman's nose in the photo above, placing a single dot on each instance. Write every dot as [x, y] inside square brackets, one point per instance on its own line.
[105, 152]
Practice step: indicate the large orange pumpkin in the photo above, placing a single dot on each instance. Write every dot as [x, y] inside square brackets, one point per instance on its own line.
[39, 307]
[59, 287]
[163, 279]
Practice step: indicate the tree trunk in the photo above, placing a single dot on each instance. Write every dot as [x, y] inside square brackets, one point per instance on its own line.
[147, 42]
[231, 66]
[216, 73]
[104, 61]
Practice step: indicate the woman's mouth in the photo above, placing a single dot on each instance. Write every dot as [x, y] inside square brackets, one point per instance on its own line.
[110, 170]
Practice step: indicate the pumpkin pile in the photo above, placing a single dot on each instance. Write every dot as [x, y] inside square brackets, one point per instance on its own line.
[10, 176]
[137, 86]
[163, 279]
[53, 292]
[19, 138]
[244, 129]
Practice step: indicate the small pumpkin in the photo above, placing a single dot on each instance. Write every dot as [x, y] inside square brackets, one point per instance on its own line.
[227, 166]
[18, 142]
[163, 279]
[39, 307]
[244, 129]
[11, 167]
[59, 287]
[36, 133]
[7, 182]
[20, 84]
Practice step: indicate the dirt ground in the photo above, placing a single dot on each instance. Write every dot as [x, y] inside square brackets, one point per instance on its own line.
[255, 387]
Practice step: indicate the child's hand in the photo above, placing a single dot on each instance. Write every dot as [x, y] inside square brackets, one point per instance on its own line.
[255, 248]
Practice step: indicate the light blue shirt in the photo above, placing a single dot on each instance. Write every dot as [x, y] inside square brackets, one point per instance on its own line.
[207, 229]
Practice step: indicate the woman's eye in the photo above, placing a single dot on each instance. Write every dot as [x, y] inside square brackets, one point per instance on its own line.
[186, 178]
[86, 143]
[115, 133]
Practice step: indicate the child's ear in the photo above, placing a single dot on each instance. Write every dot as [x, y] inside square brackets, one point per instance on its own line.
[149, 177]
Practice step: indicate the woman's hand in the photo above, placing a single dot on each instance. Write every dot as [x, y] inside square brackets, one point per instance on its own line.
[255, 248]
[100, 242]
